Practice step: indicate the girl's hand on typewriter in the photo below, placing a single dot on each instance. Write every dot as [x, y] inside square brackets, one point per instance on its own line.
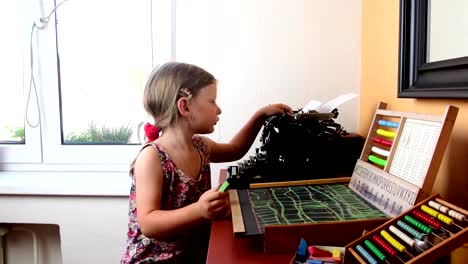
[273, 109]
[238, 146]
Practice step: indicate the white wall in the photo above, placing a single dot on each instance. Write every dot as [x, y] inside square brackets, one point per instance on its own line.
[92, 229]
[266, 51]
[261, 51]
[26, 242]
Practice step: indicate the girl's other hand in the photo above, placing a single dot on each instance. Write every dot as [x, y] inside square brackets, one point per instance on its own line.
[213, 204]
[273, 109]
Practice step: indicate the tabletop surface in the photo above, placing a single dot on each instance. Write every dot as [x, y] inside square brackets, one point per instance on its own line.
[225, 248]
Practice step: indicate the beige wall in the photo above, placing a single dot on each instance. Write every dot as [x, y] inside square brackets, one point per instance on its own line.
[379, 77]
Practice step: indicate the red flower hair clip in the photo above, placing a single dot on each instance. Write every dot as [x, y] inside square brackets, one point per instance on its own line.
[151, 132]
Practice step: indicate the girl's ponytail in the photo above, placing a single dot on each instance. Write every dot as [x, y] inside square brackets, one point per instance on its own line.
[151, 132]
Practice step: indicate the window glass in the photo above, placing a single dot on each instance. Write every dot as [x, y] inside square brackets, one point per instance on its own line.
[11, 68]
[105, 55]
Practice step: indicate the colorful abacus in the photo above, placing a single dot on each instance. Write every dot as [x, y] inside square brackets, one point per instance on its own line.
[400, 158]
[421, 235]
[378, 154]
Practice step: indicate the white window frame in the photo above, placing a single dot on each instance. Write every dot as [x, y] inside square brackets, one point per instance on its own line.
[30, 150]
[43, 149]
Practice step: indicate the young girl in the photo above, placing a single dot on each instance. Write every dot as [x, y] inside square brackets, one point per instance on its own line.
[171, 203]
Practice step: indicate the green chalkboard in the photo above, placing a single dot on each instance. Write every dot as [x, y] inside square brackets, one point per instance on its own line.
[302, 204]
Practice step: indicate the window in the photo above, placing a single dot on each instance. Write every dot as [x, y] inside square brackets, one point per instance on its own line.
[20, 142]
[11, 102]
[89, 63]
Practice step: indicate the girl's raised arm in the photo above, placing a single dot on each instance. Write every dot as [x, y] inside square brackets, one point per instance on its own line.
[243, 140]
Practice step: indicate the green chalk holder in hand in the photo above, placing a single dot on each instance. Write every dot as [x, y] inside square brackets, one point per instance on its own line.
[223, 186]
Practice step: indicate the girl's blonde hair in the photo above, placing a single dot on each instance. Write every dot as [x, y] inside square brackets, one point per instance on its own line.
[169, 82]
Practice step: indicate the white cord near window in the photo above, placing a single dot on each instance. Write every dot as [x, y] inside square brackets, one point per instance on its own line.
[44, 22]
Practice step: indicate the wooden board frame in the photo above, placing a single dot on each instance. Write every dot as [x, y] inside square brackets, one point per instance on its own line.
[236, 212]
[285, 238]
[439, 250]
[447, 121]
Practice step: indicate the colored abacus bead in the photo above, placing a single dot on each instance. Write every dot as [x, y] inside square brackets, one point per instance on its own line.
[386, 133]
[392, 241]
[429, 211]
[377, 160]
[380, 151]
[408, 240]
[388, 123]
[438, 206]
[383, 142]
[445, 219]
[375, 250]
[427, 219]
[457, 215]
[384, 245]
[410, 230]
[426, 229]
[366, 255]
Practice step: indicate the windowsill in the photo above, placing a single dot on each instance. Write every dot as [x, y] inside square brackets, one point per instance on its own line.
[64, 183]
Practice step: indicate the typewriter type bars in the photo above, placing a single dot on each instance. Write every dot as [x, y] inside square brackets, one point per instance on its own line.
[430, 230]
[401, 157]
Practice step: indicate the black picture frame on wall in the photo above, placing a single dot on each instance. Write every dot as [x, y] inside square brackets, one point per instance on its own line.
[418, 78]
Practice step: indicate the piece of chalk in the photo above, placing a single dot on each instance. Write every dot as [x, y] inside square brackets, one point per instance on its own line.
[223, 186]
[335, 253]
[317, 252]
[302, 254]
[314, 261]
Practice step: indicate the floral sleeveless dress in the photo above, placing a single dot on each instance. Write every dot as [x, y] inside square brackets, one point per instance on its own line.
[179, 190]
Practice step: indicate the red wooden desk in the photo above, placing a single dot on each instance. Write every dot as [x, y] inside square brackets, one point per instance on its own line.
[226, 249]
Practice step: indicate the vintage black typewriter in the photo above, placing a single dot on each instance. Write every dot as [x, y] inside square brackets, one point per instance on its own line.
[304, 145]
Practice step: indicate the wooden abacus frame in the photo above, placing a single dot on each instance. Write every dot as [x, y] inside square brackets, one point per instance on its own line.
[437, 251]
[447, 120]
[413, 193]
